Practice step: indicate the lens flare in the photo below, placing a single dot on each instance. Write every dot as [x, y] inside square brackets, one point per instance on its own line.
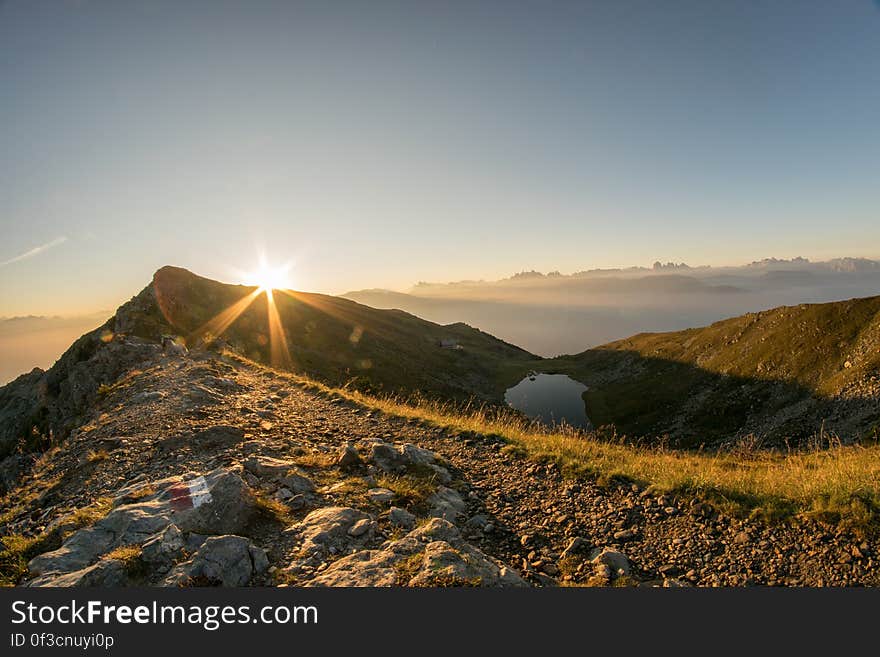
[267, 277]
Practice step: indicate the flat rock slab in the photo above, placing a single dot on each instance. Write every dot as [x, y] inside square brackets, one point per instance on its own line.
[432, 555]
[217, 503]
[104, 573]
[327, 528]
[219, 436]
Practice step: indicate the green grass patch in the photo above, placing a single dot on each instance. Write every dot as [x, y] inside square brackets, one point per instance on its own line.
[411, 491]
[18, 549]
[272, 509]
[130, 556]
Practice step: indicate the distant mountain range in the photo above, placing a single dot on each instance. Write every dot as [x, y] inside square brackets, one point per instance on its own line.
[838, 265]
[553, 313]
[36, 341]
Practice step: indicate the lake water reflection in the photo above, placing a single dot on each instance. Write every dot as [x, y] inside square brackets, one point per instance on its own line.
[550, 398]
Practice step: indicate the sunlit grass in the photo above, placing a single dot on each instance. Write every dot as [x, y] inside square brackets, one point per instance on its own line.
[17, 550]
[838, 483]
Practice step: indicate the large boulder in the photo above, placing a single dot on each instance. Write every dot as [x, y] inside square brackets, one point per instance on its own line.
[348, 458]
[393, 458]
[413, 454]
[327, 528]
[224, 560]
[105, 573]
[613, 559]
[447, 503]
[401, 518]
[387, 457]
[218, 503]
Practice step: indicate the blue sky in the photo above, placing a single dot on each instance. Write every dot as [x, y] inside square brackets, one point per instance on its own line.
[378, 144]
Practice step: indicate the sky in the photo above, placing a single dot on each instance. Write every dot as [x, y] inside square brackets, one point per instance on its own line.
[383, 143]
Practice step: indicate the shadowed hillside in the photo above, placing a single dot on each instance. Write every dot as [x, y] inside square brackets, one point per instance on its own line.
[339, 341]
[787, 373]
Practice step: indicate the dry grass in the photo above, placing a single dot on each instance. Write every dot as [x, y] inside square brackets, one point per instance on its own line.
[410, 491]
[45, 460]
[272, 509]
[88, 515]
[140, 493]
[14, 555]
[97, 455]
[19, 500]
[124, 553]
[406, 568]
[18, 550]
[130, 556]
[837, 483]
[314, 459]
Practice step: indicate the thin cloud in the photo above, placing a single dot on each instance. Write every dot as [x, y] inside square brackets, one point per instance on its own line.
[37, 250]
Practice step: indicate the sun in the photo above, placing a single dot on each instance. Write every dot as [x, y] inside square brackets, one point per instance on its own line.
[267, 277]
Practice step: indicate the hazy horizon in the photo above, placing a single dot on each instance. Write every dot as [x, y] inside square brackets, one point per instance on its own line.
[382, 145]
[546, 315]
[234, 277]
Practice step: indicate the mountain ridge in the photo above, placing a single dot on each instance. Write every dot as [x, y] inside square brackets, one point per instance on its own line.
[738, 366]
[336, 340]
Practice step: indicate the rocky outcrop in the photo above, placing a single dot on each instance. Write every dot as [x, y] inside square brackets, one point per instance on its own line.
[217, 503]
[432, 555]
[23, 405]
[202, 455]
[107, 572]
[224, 560]
[53, 402]
[326, 531]
[12, 468]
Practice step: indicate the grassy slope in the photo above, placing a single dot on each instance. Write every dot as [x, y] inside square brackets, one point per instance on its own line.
[837, 484]
[719, 379]
[339, 341]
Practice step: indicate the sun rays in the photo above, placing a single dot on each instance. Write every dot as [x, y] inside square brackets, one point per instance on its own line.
[266, 279]
[279, 351]
[217, 325]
